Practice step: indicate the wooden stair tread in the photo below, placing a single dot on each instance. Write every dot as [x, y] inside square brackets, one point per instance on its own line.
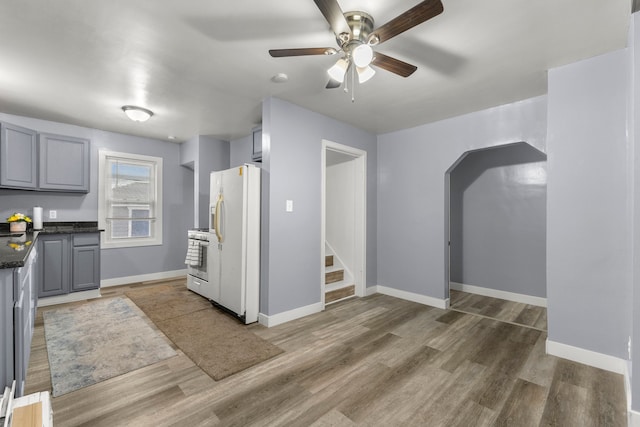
[338, 294]
[333, 276]
[328, 260]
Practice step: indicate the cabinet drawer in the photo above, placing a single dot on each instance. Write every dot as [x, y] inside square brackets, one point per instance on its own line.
[86, 239]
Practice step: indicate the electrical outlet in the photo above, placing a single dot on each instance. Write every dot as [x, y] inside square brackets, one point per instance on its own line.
[53, 214]
[289, 206]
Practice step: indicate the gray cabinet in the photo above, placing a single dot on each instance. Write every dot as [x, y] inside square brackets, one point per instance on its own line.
[64, 163]
[45, 162]
[69, 263]
[55, 264]
[256, 153]
[18, 304]
[6, 327]
[86, 262]
[23, 318]
[18, 157]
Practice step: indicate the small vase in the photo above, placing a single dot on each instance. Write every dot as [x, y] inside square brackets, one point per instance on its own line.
[18, 226]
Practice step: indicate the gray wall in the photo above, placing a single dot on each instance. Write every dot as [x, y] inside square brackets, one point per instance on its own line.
[203, 154]
[84, 207]
[214, 156]
[588, 205]
[498, 210]
[634, 130]
[412, 164]
[240, 151]
[292, 148]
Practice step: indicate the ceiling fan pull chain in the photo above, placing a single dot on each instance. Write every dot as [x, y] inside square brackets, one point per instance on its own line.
[353, 83]
[346, 80]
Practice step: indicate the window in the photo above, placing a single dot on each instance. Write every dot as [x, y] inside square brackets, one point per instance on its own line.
[130, 199]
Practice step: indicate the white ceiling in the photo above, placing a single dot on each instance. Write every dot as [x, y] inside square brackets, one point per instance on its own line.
[203, 67]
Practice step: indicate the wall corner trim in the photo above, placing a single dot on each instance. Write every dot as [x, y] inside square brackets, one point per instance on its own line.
[287, 316]
[178, 274]
[587, 357]
[371, 290]
[411, 296]
[495, 293]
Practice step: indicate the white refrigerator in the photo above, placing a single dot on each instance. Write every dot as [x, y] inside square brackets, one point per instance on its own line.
[234, 250]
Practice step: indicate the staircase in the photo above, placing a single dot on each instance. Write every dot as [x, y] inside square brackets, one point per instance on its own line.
[337, 287]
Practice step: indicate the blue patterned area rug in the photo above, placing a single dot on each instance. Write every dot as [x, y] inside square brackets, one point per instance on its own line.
[99, 340]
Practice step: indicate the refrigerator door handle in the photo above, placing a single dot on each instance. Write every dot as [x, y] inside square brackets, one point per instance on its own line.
[219, 203]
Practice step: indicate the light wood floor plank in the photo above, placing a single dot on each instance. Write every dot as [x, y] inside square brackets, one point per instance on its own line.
[374, 361]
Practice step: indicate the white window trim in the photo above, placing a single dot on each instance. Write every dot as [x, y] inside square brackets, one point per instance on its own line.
[105, 243]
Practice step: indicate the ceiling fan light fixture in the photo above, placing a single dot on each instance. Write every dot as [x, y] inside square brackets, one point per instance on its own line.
[137, 114]
[338, 70]
[365, 73]
[362, 55]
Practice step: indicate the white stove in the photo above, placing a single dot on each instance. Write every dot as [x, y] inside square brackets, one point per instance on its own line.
[198, 264]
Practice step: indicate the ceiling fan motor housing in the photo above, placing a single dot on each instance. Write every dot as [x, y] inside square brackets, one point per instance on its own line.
[361, 25]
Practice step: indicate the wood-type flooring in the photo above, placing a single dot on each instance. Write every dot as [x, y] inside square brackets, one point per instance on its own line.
[374, 361]
[499, 309]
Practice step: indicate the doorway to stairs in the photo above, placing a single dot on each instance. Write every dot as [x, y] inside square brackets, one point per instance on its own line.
[343, 229]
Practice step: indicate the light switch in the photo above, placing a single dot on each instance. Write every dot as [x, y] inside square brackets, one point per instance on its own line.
[289, 206]
[53, 214]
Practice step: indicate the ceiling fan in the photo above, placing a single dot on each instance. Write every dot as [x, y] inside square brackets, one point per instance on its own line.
[356, 38]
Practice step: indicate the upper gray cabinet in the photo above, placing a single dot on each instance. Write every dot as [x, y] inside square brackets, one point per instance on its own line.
[18, 157]
[64, 163]
[46, 162]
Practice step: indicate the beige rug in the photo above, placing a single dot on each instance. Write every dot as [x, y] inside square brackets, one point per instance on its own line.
[219, 344]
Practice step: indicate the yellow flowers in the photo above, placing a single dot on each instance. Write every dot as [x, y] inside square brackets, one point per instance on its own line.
[19, 246]
[18, 217]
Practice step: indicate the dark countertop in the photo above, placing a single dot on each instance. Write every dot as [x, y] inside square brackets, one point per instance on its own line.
[15, 247]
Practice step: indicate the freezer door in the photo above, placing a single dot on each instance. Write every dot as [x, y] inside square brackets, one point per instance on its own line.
[230, 218]
[215, 181]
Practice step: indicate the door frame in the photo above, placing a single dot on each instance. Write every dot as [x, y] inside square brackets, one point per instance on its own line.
[360, 196]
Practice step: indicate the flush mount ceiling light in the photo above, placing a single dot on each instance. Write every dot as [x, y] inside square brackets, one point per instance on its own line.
[137, 114]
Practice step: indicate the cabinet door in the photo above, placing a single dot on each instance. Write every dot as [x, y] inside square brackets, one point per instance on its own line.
[53, 252]
[64, 163]
[86, 268]
[6, 327]
[18, 157]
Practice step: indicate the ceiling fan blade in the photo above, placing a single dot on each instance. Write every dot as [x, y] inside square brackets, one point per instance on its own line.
[334, 16]
[396, 66]
[278, 53]
[332, 84]
[409, 19]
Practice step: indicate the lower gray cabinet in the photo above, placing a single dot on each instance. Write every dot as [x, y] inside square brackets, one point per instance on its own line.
[86, 262]
[6, 327]
[55, 264]
[18, 302]
[24, 318]
[69, 263]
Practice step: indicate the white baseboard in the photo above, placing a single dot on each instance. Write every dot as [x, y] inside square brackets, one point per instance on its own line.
[142, 278]
[587, 357]
[634, 419]
[411, 296]
[371, 290]
[71, 297]
[494, 293]
[287, 316]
